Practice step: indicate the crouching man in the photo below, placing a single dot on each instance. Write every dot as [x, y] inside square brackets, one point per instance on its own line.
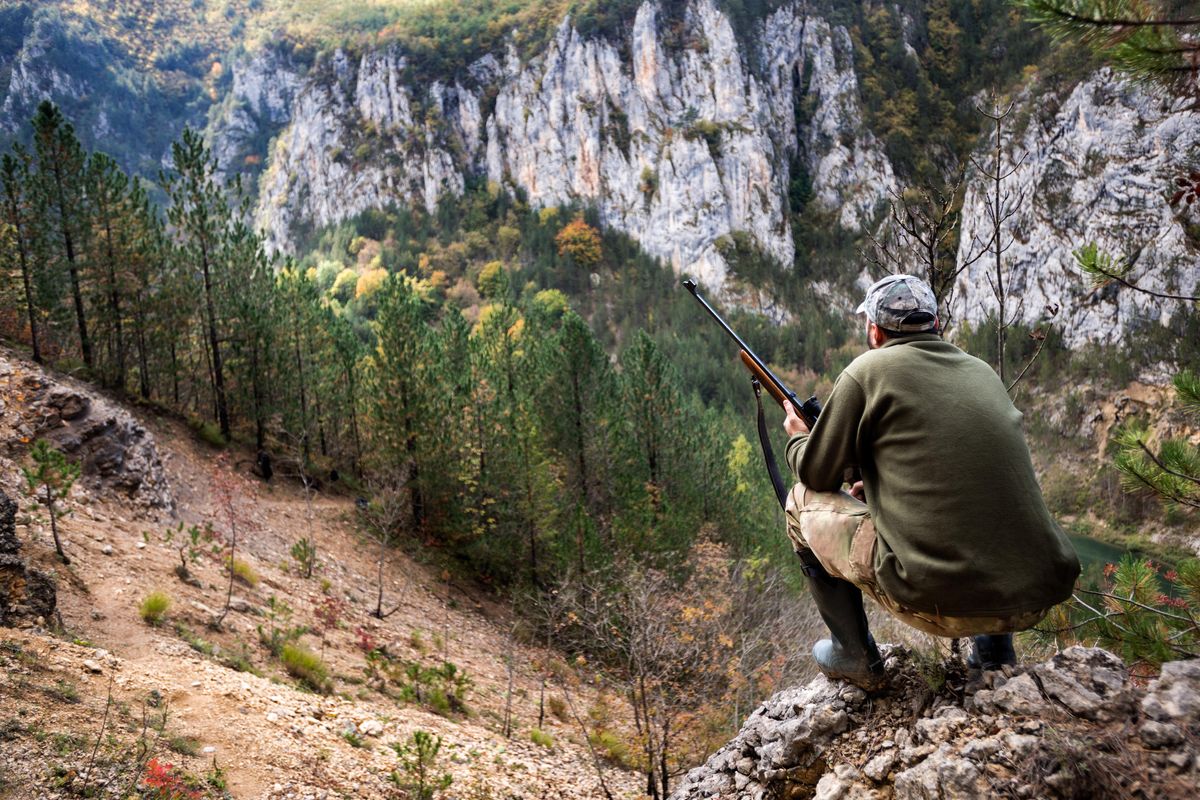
[947, 529]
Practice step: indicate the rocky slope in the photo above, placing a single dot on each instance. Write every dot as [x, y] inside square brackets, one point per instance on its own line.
[1074, 726]
[89, 691]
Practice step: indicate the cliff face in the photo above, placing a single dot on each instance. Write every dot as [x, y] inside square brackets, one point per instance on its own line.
[1094, 166]
[678, 145]
[680, 132]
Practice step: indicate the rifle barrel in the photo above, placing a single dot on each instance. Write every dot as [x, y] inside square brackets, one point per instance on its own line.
[690, 285]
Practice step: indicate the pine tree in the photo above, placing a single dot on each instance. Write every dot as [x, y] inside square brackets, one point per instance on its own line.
[403, 383]
[252, 294]
[200, 216]
[18, 215]
[148, 277]
[578, 408]
[108, 201]
[48, 481]
[1154, 41]
[60, 170]
[349, 351]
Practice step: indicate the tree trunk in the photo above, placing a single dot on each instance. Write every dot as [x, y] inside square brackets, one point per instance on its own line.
[50, 500]
[114, 303]
[85, 343]
[14, 213]
[215, 344]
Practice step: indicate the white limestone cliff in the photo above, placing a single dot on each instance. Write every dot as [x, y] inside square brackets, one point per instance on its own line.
[678, 146]
[1099, 167]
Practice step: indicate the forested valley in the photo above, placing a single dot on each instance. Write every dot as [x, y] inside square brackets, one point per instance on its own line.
[465, 494]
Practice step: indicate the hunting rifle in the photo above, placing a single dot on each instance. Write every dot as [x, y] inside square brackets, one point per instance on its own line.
[809, 410]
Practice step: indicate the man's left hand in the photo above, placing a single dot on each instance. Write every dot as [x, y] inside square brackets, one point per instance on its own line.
[793, 423]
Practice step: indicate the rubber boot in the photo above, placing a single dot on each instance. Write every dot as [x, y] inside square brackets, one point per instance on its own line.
[850, 654]
[992, 651]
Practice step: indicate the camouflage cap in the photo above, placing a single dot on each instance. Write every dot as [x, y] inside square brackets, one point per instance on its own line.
[901, 303]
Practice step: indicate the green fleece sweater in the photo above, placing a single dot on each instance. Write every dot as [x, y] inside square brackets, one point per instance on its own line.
[961, 524]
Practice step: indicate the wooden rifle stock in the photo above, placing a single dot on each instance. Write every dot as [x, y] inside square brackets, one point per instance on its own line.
[763, 379]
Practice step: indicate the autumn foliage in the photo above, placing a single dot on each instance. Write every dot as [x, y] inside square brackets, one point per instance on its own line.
[580, 242]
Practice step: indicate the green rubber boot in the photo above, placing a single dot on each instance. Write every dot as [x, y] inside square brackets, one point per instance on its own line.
[992, 652]
[850, 654]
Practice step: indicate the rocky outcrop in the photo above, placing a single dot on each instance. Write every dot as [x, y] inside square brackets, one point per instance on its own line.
[258, 106]
[679, 138]
[1099, 166]
[117, 454]
[1073, 726]
[27, 595]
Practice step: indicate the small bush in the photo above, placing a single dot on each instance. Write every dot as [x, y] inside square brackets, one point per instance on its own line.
[154, 607]
[208, 432]
[305, 554]
[443, 690]
[540, 737]
[64, 691]
[306, 666]
[557, 707]
[239, 661]
[611, 747]
[184, 745]
[279, 631]
[244, 573]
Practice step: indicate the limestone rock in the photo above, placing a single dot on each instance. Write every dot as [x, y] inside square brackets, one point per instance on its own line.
[370, 727]
[1175, 695]
[116, 452]
[1045, 733]
[1098, 162]
[676, 147]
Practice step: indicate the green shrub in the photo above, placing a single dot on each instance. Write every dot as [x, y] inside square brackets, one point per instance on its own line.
[154, 607]
[279, 631]
[443, 690]
[305, 666]
[208, 432]
[540, 737]
[613, 748]
[244, 573]
[64, 691]
[184, 745]
[418, 771]
[305, 554]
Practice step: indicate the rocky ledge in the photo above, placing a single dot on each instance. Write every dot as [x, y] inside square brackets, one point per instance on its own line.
[1075, 726]
[117, 454]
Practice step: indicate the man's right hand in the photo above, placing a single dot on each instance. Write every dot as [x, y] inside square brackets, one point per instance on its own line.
[793, 423]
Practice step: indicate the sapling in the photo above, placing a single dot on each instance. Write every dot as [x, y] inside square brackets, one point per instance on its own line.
[49, 480]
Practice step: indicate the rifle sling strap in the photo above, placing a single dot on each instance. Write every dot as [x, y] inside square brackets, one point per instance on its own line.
[764, 439]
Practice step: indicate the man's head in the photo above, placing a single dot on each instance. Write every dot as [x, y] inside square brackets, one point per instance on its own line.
[898, 305]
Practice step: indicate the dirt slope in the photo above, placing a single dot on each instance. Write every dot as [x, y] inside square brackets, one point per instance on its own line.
[269, 737]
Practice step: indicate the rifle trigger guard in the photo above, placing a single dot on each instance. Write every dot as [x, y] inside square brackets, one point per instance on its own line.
[757, 385]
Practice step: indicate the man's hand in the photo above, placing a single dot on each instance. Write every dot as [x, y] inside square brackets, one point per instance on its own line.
[793, 423]
[858, 492]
